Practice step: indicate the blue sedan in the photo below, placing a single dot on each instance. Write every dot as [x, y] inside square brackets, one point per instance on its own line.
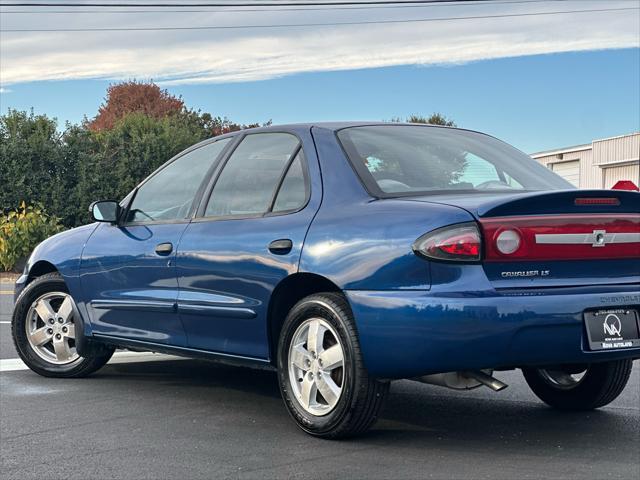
[346, 256]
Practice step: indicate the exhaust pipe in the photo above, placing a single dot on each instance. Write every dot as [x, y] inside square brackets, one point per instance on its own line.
[464, 380]
[492, 382]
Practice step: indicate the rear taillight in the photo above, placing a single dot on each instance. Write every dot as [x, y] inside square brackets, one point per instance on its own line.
[458, 243]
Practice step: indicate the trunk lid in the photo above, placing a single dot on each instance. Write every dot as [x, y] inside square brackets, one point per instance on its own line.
[568, 237]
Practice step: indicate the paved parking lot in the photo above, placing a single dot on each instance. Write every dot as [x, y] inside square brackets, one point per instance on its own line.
[193, 419]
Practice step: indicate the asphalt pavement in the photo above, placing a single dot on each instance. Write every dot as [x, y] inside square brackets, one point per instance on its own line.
[6, 306]
[194, 419]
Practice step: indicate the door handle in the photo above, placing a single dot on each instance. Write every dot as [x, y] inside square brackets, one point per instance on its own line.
[281, 247]
[164, 248]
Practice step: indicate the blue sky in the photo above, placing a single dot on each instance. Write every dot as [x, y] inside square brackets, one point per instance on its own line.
[523, 71]
[535, 102]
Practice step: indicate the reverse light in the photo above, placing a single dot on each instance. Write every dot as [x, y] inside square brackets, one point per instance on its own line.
[508, 241]
[458, 243]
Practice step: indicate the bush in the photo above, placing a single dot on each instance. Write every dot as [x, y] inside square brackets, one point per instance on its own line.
[21, 231]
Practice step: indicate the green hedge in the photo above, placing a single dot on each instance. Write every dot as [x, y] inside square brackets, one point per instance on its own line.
[69, 170]
[21, 231]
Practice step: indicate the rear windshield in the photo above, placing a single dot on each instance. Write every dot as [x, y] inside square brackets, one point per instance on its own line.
[408, 159]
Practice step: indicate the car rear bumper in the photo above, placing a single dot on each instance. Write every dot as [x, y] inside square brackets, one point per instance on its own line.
[405, 334]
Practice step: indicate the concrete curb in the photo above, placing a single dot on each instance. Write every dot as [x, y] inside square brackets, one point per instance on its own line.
[8, 278]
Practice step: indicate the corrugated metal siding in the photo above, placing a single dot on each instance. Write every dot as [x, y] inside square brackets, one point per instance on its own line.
[619, 149]
[590, 175]
[627, 172]
[570, 171]
[594, 161]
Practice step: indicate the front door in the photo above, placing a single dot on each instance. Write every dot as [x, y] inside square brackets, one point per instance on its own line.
[128, 270]
[247, 239]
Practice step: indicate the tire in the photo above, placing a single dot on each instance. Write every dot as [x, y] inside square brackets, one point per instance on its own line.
[355, 408]
[600, 384]
[50, 294]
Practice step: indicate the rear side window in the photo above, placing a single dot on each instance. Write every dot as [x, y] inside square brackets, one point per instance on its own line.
[169, 194]
[249, 179]
[293, 192]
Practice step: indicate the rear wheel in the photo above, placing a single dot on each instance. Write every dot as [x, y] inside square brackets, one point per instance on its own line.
[44, 330]
[579, 387]
[322, 377]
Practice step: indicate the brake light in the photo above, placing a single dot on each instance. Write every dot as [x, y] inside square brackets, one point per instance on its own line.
[458, 243]
[596, 201]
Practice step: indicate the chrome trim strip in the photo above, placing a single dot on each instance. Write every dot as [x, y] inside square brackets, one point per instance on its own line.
[216, 311]
[587, 238]
[146, 305]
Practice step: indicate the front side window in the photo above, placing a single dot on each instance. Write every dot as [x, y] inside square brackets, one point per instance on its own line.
[250, 177]
[406, 159]
[169, 194]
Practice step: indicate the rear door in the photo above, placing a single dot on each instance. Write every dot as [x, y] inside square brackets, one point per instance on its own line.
[247, 239]
[128, 270]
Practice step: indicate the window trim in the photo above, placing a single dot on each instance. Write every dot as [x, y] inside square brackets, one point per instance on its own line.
[198, 193]
[204, 201]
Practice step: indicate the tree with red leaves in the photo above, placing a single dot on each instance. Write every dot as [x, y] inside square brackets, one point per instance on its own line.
[134, 97]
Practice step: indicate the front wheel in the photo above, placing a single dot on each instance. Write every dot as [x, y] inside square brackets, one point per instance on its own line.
[322, 377]
[44, 331]
[579, 387]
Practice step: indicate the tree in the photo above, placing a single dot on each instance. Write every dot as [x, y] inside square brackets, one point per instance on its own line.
[134, 97]
[112, 162]
[34, 167]
[434, 119]
[215, 126]
[137, 129]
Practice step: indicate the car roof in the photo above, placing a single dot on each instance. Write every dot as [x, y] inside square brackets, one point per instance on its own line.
[331, 126]
[336, 125]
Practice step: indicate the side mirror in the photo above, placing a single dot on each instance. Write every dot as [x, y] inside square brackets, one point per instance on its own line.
[105, 211]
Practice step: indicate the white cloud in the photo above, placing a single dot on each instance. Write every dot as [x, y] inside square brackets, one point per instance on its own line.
[205, 56]
[4, 90]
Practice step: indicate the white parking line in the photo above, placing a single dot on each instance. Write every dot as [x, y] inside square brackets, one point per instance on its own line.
[16, 364]
[7, 322]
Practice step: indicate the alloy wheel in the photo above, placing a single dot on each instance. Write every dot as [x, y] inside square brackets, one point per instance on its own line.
[50, 328]
[316, 366]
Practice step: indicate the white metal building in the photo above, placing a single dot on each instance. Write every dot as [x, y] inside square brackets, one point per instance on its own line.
[600, 164]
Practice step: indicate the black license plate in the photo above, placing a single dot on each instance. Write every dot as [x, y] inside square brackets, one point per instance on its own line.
[612, 329]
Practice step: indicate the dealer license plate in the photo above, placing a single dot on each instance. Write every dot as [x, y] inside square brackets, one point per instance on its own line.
[612, 329]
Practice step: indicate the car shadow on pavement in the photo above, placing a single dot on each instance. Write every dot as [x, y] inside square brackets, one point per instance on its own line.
[414, 413]
[183, 418]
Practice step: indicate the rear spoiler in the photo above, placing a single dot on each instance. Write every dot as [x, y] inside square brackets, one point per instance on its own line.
[562, 202]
